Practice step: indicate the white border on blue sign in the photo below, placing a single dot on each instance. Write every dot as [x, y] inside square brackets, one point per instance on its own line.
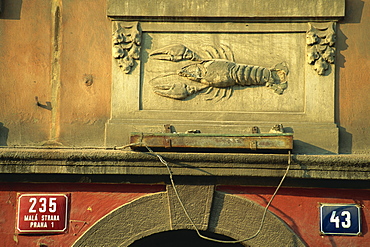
[339, 205]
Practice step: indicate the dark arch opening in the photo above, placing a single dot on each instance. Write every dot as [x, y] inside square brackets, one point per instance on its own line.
[182, 238]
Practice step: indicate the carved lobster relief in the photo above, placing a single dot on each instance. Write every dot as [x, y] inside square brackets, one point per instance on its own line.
[320, 47]
[218, 73]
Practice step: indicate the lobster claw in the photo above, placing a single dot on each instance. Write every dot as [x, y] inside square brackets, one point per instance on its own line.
[174, 53]
[174, 91]
[175, 87]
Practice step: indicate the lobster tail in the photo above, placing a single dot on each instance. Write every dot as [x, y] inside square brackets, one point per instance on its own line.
[247, 75]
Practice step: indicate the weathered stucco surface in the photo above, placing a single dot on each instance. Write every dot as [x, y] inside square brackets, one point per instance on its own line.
[54, 51]
[25, 57]
[85, 73]
[353, 94]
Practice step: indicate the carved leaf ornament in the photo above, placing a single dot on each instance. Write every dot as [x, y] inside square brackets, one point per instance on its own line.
[126, 44]
[320, 47]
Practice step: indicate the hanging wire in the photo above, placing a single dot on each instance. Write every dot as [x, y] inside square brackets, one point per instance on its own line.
[163, 161]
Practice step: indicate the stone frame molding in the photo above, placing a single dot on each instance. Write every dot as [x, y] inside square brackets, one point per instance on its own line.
[307, 107]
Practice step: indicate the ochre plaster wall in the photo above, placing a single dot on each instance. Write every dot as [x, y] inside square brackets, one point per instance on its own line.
[354, 78]
[79, 109]
[63, 57]
[25, 57]
[85, 73]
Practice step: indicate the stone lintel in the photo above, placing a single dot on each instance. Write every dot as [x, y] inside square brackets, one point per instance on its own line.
[226, 8]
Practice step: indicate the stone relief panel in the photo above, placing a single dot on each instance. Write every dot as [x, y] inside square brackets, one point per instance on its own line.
[222, 78]
[222, 69]
[320, 40]
[126, 44]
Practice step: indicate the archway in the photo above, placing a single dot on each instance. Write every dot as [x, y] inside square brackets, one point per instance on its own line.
[182, 238]
[212, 211]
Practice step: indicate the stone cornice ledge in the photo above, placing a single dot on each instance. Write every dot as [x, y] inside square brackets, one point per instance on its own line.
[225, 8]
[106, 162]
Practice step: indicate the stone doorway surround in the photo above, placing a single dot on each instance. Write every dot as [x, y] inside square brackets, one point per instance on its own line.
[211, 211]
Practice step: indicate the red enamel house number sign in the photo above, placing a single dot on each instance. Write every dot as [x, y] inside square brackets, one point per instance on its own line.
[42, 213]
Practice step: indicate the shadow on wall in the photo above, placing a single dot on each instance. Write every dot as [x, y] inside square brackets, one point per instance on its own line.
[301, 147]
[354, 9]
[345, 141]
[354, 12]
[10, 9]
[4, 131]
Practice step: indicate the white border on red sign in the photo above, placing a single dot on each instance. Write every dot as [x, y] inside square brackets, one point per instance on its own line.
[43, 231]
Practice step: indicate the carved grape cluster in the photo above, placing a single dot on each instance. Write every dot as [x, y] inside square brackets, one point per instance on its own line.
[320, 47]
[126, 45]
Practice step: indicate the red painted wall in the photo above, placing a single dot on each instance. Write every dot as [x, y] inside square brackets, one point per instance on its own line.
[299, 208]
[89, 202]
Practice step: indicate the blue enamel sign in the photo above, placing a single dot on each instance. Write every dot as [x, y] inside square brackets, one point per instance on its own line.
[340, 219]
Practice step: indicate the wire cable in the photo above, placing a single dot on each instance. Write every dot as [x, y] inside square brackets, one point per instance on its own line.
[163, 161]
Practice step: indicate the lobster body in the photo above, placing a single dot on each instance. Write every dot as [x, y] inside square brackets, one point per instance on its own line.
[222, 73]
[214, 73]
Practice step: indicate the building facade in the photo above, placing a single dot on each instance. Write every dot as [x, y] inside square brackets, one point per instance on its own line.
[144, 123]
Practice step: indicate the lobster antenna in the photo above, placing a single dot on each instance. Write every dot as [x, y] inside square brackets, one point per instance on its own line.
[212, 52]
[228, 53]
